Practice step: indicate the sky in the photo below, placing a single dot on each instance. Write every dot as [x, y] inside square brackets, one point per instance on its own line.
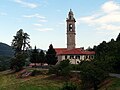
[45, 21]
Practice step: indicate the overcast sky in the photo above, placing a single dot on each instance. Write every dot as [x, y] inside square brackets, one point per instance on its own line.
[45, 21]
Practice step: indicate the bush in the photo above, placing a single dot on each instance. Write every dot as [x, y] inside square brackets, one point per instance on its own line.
[75, 67]
[91, 75]
[53, 69]
[36, 72]
[18, 62]
[62, 69]
[69, 86]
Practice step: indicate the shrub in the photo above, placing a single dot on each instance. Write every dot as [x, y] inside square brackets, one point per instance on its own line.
[75, 67]
[53, 69]
[36, 72]
[91, 75]
[62, 69]
[69, 86]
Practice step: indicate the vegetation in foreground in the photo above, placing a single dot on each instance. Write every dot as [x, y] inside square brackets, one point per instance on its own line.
[111, 84]
[40, 82]
[47, 82]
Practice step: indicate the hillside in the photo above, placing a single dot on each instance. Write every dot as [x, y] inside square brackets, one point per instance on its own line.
[40, 82]
[45, 82]
[5, 50]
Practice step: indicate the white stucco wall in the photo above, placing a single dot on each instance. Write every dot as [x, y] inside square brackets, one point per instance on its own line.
[75, 60]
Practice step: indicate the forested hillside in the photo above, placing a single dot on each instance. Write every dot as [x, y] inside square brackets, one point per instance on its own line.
[108, 54]
[5, 50]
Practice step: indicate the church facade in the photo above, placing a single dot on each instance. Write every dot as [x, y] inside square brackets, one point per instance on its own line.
[75, 55]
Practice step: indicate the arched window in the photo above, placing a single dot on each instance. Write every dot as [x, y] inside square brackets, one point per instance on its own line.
[70, 27]
[70, 17]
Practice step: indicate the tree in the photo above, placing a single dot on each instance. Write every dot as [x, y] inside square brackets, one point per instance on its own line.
[61, 69]
[51, 58]
[108, 55]
[20, 44]
[26, 44]
[34, 56]
[64, 68]
[118, 38]
[41, 57]
[91, 75]
[89, 49]
[18, 62]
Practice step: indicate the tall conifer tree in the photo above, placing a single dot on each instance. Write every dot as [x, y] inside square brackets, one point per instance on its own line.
[51, 58]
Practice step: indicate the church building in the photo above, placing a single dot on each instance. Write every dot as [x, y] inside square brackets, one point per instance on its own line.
[75, 55]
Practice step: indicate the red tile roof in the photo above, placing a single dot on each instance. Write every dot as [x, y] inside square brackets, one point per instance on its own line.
[60, 50]
[76, 51]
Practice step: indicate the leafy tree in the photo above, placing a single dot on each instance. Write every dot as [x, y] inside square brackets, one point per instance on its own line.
[101, 50]
[41, 58]
[34, 56]
[108, 55]
[51, 58]
[61, 69]
[89, 49]
[20, 44]
[26, 44]
[64, 68]
[118, 38]
[18, 62]
[91, 75]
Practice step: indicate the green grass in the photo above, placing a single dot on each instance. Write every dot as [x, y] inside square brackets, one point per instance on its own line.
[114, 84]
[41, 82]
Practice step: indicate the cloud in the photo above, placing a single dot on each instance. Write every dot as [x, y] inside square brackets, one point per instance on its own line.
[108, 17]
[42, 20]
[44, 29]
[37, 24]
[110, 6]
[109, 27]
[38, 16]
[26, 4]
[34, 16]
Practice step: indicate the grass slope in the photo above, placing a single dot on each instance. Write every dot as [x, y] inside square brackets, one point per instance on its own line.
[44, 82]
[114, 84]
[41, 82]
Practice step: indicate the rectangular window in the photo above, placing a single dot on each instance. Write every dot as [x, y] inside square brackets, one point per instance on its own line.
[92, 57]
[66, 57]
[76, 57]
[72, 57]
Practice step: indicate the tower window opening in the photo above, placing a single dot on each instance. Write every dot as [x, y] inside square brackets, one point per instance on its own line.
[70, 27]
[70, 17]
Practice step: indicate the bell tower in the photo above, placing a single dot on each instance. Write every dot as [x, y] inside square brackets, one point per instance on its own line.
[70, 30]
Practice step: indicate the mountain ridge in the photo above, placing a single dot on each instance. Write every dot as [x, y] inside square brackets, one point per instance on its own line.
[6, 50]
